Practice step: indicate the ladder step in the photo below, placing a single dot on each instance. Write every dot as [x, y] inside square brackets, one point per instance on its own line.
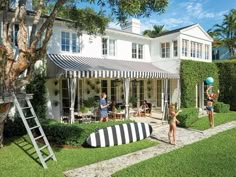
[29, 117]
[43, 147]
[26, 108]
[48, 157]
[38, 137]
[37, 126]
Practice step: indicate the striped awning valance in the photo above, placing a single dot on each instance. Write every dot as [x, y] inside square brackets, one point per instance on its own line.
[87, 67]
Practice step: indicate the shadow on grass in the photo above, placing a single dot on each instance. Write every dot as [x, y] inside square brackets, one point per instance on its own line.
[24, 144]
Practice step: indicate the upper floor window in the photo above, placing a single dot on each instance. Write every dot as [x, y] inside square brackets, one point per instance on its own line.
[14, 34]
[108, 47]
[165, 50]
[65, 41]
[185, 47]
[207, 51]
[137, 51]
[175, 48]
[193, 49]
[199, 50]
[75, 43]
[70, 42]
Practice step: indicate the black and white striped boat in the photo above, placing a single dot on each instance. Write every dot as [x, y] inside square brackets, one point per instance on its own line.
[119, 134]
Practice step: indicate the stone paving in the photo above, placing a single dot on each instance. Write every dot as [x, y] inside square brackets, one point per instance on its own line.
[184, 137]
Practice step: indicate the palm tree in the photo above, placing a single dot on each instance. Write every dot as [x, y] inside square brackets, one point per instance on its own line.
[226, 32]
[157, 30]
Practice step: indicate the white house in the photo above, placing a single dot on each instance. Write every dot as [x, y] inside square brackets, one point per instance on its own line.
[123, 63]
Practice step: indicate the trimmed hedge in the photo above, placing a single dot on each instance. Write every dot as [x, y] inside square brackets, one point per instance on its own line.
[227, 77]
[187, 117]
[192, 73]
[221, 107]
[75, 134]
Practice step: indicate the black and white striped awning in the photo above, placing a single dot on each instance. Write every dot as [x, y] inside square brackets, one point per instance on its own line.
[87, 67]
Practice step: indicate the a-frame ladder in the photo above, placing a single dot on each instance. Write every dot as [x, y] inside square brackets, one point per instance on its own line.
[33, 127]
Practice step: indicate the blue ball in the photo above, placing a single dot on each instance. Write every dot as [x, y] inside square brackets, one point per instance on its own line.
[209, 80]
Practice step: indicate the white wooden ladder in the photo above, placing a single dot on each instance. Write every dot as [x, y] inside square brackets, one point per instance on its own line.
[33, 127]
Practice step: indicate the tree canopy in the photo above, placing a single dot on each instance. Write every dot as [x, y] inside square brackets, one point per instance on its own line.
[77, 13]
[157, 30]
[225, 33]
[20, 48]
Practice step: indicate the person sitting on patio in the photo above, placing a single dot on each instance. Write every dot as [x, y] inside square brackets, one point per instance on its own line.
[143, 108]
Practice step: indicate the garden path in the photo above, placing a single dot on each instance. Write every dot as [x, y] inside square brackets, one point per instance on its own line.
[184, 137]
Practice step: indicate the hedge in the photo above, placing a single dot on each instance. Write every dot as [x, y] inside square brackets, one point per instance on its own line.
[227, 77]
[187, 117]
[192, 73]
[221, 107]
[75, 134]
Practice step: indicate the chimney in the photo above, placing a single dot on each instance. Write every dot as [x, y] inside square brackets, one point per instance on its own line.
[132, 25]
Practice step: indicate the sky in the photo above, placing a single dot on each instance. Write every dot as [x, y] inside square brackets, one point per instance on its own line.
[180, 13]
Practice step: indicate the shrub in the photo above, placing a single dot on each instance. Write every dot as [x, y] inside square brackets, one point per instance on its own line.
[187, 117]
[14, 127]
[75, 134]
[221, 107]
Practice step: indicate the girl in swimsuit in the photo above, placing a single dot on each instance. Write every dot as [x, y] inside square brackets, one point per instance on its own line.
[172, 123]
[211, 97]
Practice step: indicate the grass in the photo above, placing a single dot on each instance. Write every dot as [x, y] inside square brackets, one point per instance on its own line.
[220, 118]
[215, 156]
[17, 158]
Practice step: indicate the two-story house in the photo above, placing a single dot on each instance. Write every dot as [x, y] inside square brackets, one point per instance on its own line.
[123, 63]
[103, 63]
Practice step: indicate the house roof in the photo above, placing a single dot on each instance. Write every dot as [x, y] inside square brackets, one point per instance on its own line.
[174, 31]
[88, 67]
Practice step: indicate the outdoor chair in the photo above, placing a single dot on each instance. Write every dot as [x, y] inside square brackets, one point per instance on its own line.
[148, 111]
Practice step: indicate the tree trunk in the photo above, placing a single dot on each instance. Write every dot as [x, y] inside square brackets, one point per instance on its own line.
[4, 109]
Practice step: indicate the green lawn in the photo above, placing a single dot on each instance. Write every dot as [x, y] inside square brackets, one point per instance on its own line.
[220, 118]
[215, 156]
[15, 160]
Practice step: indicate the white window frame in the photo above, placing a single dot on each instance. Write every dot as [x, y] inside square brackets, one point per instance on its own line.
[165, 50]
[67, 42]
[185, 47]
[75, 43]
[175, 48]
[108, 47]
[137, 51]
[207, 49]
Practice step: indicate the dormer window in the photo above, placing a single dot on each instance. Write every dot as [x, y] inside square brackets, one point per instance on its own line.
[108, 47]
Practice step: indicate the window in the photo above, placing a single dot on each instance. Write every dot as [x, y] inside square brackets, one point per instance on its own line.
[15, 34]
[75, 43]
[185, 47]
[140, 51]
[108, 47]
[175, 48]
[165, 50]
[137, 51]
[104, 86]
[206, 51]
[199, 50]
[112, 47]
[134, 50]
[104, 46]
[193, 49]
[65, 41]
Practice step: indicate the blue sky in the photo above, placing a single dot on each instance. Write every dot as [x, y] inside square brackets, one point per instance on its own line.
[180, 13]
